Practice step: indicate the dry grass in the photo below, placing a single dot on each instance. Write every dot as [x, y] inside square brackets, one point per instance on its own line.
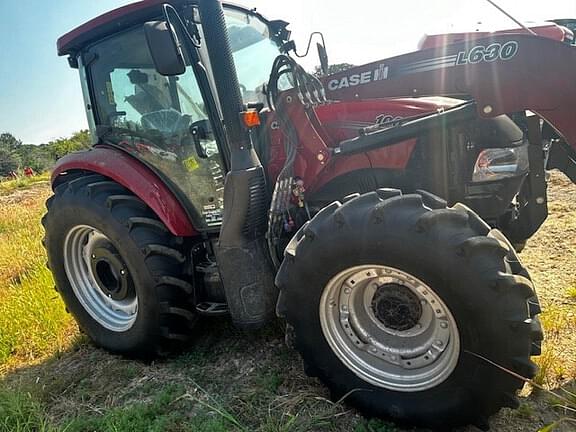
[10, 186]
[228, 381]
[551, 259]
[571, 292]
[557, 364]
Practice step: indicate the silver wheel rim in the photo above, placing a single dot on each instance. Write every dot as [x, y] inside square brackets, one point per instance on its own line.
[100, 279]
[389, 328]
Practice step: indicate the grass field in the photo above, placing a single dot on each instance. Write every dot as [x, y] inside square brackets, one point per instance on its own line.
[52, 379]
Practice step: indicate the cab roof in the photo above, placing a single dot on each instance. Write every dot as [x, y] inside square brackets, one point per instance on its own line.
[117, 20]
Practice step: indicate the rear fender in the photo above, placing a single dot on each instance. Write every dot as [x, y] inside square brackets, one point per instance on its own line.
[133, 175]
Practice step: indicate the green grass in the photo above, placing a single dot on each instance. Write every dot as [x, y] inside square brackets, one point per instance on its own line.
[19, 412]
[235, 387]
[20, 236]
[33, 322]
[32, 318]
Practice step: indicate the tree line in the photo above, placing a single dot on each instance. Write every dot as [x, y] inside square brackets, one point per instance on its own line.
[16, 156]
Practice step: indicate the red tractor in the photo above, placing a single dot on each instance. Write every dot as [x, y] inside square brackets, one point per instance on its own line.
[362, 209]
[560, 30]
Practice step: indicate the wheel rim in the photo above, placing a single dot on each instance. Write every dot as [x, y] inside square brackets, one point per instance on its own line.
[389, 328]
[100, 278]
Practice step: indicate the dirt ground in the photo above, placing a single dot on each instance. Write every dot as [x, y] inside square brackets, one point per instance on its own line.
[550, 256]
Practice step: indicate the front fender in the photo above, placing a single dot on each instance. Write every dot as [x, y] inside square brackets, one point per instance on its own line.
[133, 175]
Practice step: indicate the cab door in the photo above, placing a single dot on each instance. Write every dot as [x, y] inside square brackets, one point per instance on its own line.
[162, 121]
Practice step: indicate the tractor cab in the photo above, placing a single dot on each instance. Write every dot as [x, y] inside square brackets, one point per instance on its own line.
[171, 123]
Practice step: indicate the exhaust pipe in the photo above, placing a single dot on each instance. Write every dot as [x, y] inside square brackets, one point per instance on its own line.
[243, 260]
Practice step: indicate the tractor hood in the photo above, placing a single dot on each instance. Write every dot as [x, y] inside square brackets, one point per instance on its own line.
[549, 30]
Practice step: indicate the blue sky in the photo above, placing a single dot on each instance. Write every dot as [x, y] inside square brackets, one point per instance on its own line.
[40, 96]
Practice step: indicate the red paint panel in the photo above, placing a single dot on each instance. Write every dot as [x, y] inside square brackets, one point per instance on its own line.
[136, 177]
[551, 31]
[110, 22]
[343, 120]
[340, 121]
[538, 77]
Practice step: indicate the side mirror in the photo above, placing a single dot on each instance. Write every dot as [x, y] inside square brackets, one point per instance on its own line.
[323, 55]
[165, 48]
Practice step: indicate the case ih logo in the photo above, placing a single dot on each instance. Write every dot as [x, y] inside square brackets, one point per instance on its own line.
[359, 78]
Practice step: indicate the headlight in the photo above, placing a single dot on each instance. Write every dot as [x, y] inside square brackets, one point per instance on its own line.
[500, 163]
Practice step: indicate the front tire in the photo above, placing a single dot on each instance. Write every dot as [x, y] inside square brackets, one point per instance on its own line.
[393, 299]
[118, 269]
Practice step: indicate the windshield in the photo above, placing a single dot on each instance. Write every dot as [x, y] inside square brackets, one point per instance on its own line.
[130, 94]
[253, 50]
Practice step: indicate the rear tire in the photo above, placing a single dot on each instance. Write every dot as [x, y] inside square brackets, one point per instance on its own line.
[450, 254]
[118, 269]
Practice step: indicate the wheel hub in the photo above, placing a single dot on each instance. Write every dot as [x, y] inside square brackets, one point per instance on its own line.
[396, 307]
[110, 272]
[100, 278]
[389, 328]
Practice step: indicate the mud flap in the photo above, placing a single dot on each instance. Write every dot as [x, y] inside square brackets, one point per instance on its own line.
[242, 255]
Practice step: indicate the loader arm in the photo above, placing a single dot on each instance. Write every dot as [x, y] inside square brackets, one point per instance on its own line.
[503, 74]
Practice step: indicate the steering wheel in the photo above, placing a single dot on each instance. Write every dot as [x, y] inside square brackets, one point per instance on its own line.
[166, 121]
[156, 139]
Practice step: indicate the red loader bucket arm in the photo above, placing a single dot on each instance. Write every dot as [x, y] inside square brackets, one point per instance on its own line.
[503, 74]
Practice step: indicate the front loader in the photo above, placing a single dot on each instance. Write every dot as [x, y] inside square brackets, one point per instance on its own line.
[225, 180]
